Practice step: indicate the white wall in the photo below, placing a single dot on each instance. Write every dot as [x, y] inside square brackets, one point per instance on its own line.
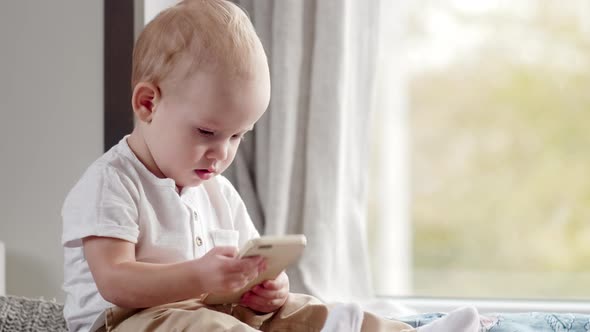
[151, 8]
[51, 63]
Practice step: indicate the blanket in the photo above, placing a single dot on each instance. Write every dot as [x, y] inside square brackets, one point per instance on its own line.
[517, 322]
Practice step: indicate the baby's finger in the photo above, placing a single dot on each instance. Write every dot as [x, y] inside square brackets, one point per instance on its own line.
[225, 251]
[274, 284]
[240, 281]
[269, 293]
[242, 277]
[259, 303]
[245, 264]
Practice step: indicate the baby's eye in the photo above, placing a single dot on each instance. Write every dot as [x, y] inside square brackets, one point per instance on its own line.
[205, 132]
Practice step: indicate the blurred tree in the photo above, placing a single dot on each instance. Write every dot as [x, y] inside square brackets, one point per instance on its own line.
[500, 149]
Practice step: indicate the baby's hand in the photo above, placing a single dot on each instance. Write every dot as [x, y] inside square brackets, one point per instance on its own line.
[220, 271]
[268, 296]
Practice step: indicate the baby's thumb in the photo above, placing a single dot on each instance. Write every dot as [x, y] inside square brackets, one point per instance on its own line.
[225, 251]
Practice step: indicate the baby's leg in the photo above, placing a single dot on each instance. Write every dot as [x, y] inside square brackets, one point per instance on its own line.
[344, 317]
[464, 319]
[306, 313]
[189, 315]
[350, 317]
[300, 313]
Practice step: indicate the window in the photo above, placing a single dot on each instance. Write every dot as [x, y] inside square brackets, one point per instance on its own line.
[481, 166]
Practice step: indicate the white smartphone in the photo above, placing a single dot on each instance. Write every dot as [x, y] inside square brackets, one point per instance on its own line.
[279, 251]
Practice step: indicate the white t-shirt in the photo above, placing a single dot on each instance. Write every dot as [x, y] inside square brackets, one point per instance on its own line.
[119, 197]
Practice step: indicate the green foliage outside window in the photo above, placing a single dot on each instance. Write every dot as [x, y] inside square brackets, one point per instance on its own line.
[500, 154]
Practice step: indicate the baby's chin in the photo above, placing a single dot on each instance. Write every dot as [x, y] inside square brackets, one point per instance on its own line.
[190, 184]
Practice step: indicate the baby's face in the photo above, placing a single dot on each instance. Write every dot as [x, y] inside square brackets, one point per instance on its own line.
[199, 124]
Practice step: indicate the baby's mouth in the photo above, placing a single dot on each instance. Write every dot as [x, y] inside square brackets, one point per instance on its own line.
[204, 174]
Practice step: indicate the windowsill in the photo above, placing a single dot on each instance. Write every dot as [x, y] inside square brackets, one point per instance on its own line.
[424, 305]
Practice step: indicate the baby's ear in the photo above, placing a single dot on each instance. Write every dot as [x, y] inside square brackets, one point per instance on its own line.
[144, 100]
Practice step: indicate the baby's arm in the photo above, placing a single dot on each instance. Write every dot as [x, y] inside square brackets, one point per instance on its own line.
[123, 281]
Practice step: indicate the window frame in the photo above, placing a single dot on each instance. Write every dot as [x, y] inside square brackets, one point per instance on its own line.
[432, 304]
[395, 278]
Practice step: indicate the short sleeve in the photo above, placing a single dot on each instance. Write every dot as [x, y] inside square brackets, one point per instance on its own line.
[103, 203]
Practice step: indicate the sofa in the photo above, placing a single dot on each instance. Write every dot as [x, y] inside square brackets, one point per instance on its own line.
[24, 314]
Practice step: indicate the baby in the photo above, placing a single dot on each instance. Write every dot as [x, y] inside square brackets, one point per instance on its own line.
[152, 226]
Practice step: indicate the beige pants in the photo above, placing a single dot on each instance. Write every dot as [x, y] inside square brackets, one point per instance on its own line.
[300, 313]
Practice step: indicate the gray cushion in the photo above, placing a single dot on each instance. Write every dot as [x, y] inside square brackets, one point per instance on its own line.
[22, 314]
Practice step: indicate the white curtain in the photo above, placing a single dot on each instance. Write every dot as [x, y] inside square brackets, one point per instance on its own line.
[305, 168]
[389, 188]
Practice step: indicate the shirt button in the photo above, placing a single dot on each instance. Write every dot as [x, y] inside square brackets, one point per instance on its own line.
[198, 241]
[195, 215]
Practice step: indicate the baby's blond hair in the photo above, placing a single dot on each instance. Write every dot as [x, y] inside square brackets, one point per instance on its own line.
[212, 34]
